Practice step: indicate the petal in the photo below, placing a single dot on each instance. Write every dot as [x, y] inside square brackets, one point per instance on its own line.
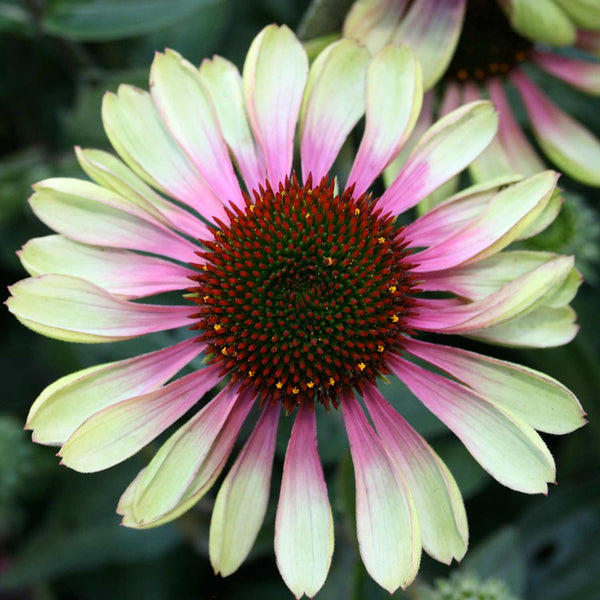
[507, 215]
[516, 298]
[391, 116]
[74, 310]
[304, 523]
[588, 41]
[64, 405]
[567, 143]
[387, 525]
[540, 21]
[522, 156]
[189, 116]
[544, 327]
[445, 150]
[178, 470]
[582, 75]
[432, 28]
[275, 74]
[119, 272]
[118, 431]
[584, 13]
[223, 82]
[87, 213]
[533, 397]
[439, 504]
[334, 101]
[506, 447]
[373, 22]
[242, 501]
[110, 173]
[136, 131]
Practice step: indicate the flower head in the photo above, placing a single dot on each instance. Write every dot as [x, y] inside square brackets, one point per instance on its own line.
[297, 293]
[474, 48]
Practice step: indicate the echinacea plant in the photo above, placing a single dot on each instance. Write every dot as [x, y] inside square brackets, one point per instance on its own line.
[297, 293]
[474, 48]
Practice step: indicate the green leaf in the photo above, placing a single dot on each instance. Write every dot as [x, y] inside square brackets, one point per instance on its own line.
[14, 18]
[101, 20]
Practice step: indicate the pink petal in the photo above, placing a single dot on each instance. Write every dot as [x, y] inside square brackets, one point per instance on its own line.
[582, 75]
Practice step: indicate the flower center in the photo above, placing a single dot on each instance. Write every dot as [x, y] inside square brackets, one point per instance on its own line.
[488, 45]
[304, 293]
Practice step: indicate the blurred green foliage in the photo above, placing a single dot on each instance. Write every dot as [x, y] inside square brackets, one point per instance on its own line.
[59, 536]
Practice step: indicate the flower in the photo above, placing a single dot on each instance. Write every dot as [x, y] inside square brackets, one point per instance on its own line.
[296, 295]
[475, 48]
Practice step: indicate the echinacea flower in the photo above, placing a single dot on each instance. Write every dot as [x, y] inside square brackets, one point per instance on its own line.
[297, 295]
[475, 47]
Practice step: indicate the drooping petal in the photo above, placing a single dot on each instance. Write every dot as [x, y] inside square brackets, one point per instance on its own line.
[275, 74]
[189, 116]
[74, 310]
[242, 501]
[438, 500]
[518, 297]
[534, 397]
[64, 405]
[507, 215]
[387, 525]
[509, 449]
[445, 150]
[391, 116]
[540, 21]
[90, 214]
[432, 28]
[580, 74]
[136, 131]
[544, 327]
[119, 431]
[178, 471]
[373, 22]
[334, 101]
[566, 141]
[207, 471]
[111, 173]
[223, 82]
[304, 523]
[120, 272]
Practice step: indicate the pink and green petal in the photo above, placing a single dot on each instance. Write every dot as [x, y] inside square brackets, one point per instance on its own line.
[64, 405]
[136, 131]
[567, 142]
[506, 447]
[119, 431]
[533, 397]
[173, 475]
[444, 151]
[223, 83]
[74, 310]
[373, 22]
[89, 214]
[541, 21]
[111, 173]
[544, 327]
[432, 28]
[589, 41]
[190, 118]
[580, 74]
[243, 498]
[207, 472]
[120, 272]
[334, 101]
[389, 536]
[275, 74]
[584, 13]
[438, 500]
[508, 215]
[391, 117]
[304, 523]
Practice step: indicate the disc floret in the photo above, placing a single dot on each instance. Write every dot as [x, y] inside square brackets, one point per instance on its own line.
[304, 293]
